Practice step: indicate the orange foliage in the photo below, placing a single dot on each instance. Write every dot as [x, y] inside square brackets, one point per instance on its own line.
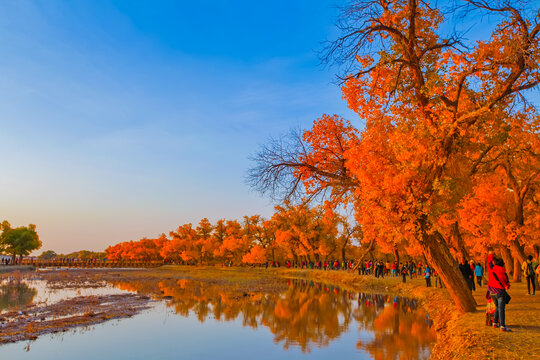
[297, 232]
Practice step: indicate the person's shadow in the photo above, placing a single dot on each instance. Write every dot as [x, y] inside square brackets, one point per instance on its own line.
[525, 327]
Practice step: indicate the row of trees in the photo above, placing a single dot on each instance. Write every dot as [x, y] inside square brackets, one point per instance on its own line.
[447, 161]
[81, 255]
[20, 241]
[295, 232]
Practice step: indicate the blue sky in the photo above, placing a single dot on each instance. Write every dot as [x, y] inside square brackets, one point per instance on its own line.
[125, 119]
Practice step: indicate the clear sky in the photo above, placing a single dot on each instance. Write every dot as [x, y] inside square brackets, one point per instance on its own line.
[125, 119]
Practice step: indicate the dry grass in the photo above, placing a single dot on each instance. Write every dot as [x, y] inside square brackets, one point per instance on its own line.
[469, 338]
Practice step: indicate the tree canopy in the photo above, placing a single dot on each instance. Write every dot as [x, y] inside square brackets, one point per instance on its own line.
[18, 241]
[443, 121]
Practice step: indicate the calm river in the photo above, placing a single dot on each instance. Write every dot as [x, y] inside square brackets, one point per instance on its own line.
[198, 320]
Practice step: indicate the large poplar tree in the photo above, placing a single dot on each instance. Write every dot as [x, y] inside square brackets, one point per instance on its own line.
[426, 98]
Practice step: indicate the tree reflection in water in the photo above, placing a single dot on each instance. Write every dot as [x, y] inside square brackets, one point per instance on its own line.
[15, 294]
[401, 330]
[307, 314]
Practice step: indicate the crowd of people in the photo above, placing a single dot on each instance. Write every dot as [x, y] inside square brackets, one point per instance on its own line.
[319, 265]
[498, 283]
[408, 269]
[473, 272]
[9, 261]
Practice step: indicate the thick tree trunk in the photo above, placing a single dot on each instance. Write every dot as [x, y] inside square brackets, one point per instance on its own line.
[508, 260]
[438, 255]
[458, 242]
[363, 254]
[396, 254]
[518, 253]
[517, 270]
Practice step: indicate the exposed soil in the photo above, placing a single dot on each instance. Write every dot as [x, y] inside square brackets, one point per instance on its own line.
[66, 314]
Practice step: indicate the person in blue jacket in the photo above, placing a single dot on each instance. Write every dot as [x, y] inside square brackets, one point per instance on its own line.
[479, 273]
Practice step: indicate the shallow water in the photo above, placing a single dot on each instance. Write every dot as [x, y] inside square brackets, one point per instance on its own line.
[209, 321]
[17, 295]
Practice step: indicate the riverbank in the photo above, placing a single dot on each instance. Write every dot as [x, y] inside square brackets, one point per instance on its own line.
[459, 336]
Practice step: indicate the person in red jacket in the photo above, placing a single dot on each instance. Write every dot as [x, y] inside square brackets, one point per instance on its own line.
[497, 285]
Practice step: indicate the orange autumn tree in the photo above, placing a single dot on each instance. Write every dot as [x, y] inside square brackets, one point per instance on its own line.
[184, 242]
[319, 233]
[260, 235]
[425, 98]
[205, 242]
[502, 210]
[234, 244]
[256, 255]
[142, 250]
[304, 233]
[267, 238]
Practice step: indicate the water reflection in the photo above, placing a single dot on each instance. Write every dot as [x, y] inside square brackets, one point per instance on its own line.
[307, 314]
[400, 329]
[15, 294]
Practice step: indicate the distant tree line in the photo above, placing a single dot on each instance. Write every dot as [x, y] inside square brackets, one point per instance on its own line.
[295, 232]
[82, 255]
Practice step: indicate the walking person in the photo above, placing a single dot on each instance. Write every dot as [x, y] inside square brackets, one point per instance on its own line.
[438, 281]
[528, 273]
[404, 272]
[465, 269]
[471, 264]
[479, 273]
[427, 276]
[497, 285]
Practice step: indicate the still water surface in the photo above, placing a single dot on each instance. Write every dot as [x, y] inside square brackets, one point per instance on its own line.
[199, 320]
